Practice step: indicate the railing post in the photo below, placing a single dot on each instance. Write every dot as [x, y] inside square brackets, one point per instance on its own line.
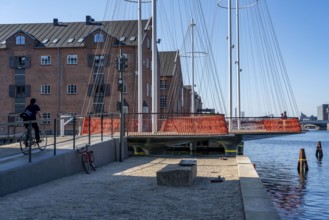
[74, 132]
[89, 120]
[30, 141]
[102, 127]
[112, 125]
[55, 134]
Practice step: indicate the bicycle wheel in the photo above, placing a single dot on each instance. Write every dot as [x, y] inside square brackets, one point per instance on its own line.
[43, 141]
[92, 160]
[23, 142]
[85, 162]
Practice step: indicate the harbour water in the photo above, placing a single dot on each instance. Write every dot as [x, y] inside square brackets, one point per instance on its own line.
[295, 196]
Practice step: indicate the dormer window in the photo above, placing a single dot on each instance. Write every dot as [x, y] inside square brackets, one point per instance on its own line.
[133, 38]
[99, 38]
[20, 40]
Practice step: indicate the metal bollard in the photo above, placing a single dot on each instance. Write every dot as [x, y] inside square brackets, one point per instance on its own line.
[302, 162]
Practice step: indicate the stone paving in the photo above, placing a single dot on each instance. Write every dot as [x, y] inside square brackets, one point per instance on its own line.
[128, 190]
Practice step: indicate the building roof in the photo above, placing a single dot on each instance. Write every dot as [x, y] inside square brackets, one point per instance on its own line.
[68, 34]
[168, 61]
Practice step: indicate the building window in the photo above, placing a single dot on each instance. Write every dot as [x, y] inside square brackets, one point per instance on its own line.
[99, 38]
[45, 60]
[148, 43]
[46, 118]
[124, 88]
[72, 59]
[99, 60]
[125, 109]
[20, 40]
[147, 63]
[145, 109]
[163, 101]
[71, 89]
[163, 84]
[148, 89]
[20, 91]
[18, 119]
[21, 61]
[45, 89]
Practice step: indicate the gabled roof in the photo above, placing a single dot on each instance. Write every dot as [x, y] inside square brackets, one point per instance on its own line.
[46, 33]
[27, 34]
[168, 61]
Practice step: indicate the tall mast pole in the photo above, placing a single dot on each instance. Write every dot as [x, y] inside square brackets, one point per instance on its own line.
[229, 66]
[192, 95]
[238, 64]
[140, 73]
[154, 71]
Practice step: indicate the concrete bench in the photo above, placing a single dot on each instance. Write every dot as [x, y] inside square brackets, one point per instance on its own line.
[182, 174]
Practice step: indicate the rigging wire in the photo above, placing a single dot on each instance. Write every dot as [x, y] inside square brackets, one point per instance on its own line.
[265, 78]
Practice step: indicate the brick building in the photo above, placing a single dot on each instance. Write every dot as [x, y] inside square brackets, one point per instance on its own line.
[70, 68]
[174, 96]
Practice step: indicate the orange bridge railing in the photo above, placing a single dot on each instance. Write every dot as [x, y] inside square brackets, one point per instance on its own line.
[200, 124]
[189, 124]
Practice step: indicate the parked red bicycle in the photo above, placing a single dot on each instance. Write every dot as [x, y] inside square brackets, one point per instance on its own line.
[87, 158]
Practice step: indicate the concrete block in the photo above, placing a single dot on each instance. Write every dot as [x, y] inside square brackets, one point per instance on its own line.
[176, 175]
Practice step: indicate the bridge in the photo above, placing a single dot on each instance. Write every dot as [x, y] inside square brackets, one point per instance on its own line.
[183, 129]
[103, 132]
[320, 124]
[173, 130]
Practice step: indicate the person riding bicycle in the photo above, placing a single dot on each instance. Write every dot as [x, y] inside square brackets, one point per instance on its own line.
[31, 111]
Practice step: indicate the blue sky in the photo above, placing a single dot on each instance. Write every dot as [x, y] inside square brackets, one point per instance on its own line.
[301, 27]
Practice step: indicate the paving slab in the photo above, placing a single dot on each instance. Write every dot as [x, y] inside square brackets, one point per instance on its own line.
[129, 190]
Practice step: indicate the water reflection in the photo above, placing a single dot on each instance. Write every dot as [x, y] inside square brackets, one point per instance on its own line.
[286, 193]
[295, 196]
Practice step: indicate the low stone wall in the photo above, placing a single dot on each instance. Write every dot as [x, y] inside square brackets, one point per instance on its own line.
[47, 167]
[257, 204]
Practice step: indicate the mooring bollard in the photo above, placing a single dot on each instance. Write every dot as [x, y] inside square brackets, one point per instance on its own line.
[319, 152]
[302, 162]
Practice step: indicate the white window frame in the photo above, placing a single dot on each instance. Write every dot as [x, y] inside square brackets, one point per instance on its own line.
[163, 84]
[125, 109]
[72, 59]
[163, 101]
[145, 109]
[45, 60]
[45, 90]
[20, 40]
[99, 60]
[148, 43]
[148, 89]
[125, 88]
[46, 118]
[99, 38]
[72, 89]
[147, 63]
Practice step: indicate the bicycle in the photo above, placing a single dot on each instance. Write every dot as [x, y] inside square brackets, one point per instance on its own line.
[24, 141]
[87, 159]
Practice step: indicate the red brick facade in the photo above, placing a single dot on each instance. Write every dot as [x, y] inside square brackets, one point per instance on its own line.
[65, 79]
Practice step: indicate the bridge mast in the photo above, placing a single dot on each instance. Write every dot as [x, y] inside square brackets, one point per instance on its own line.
[192, 95]
[154, 71]
[140, 69]
[229, 41]
[238, 64]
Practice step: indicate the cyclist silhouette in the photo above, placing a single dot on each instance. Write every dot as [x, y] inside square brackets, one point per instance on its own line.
[32, 110]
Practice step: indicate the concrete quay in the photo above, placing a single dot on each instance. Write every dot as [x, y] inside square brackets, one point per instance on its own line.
[129, 190]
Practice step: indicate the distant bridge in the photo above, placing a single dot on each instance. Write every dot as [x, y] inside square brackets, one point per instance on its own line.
[321, 123]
